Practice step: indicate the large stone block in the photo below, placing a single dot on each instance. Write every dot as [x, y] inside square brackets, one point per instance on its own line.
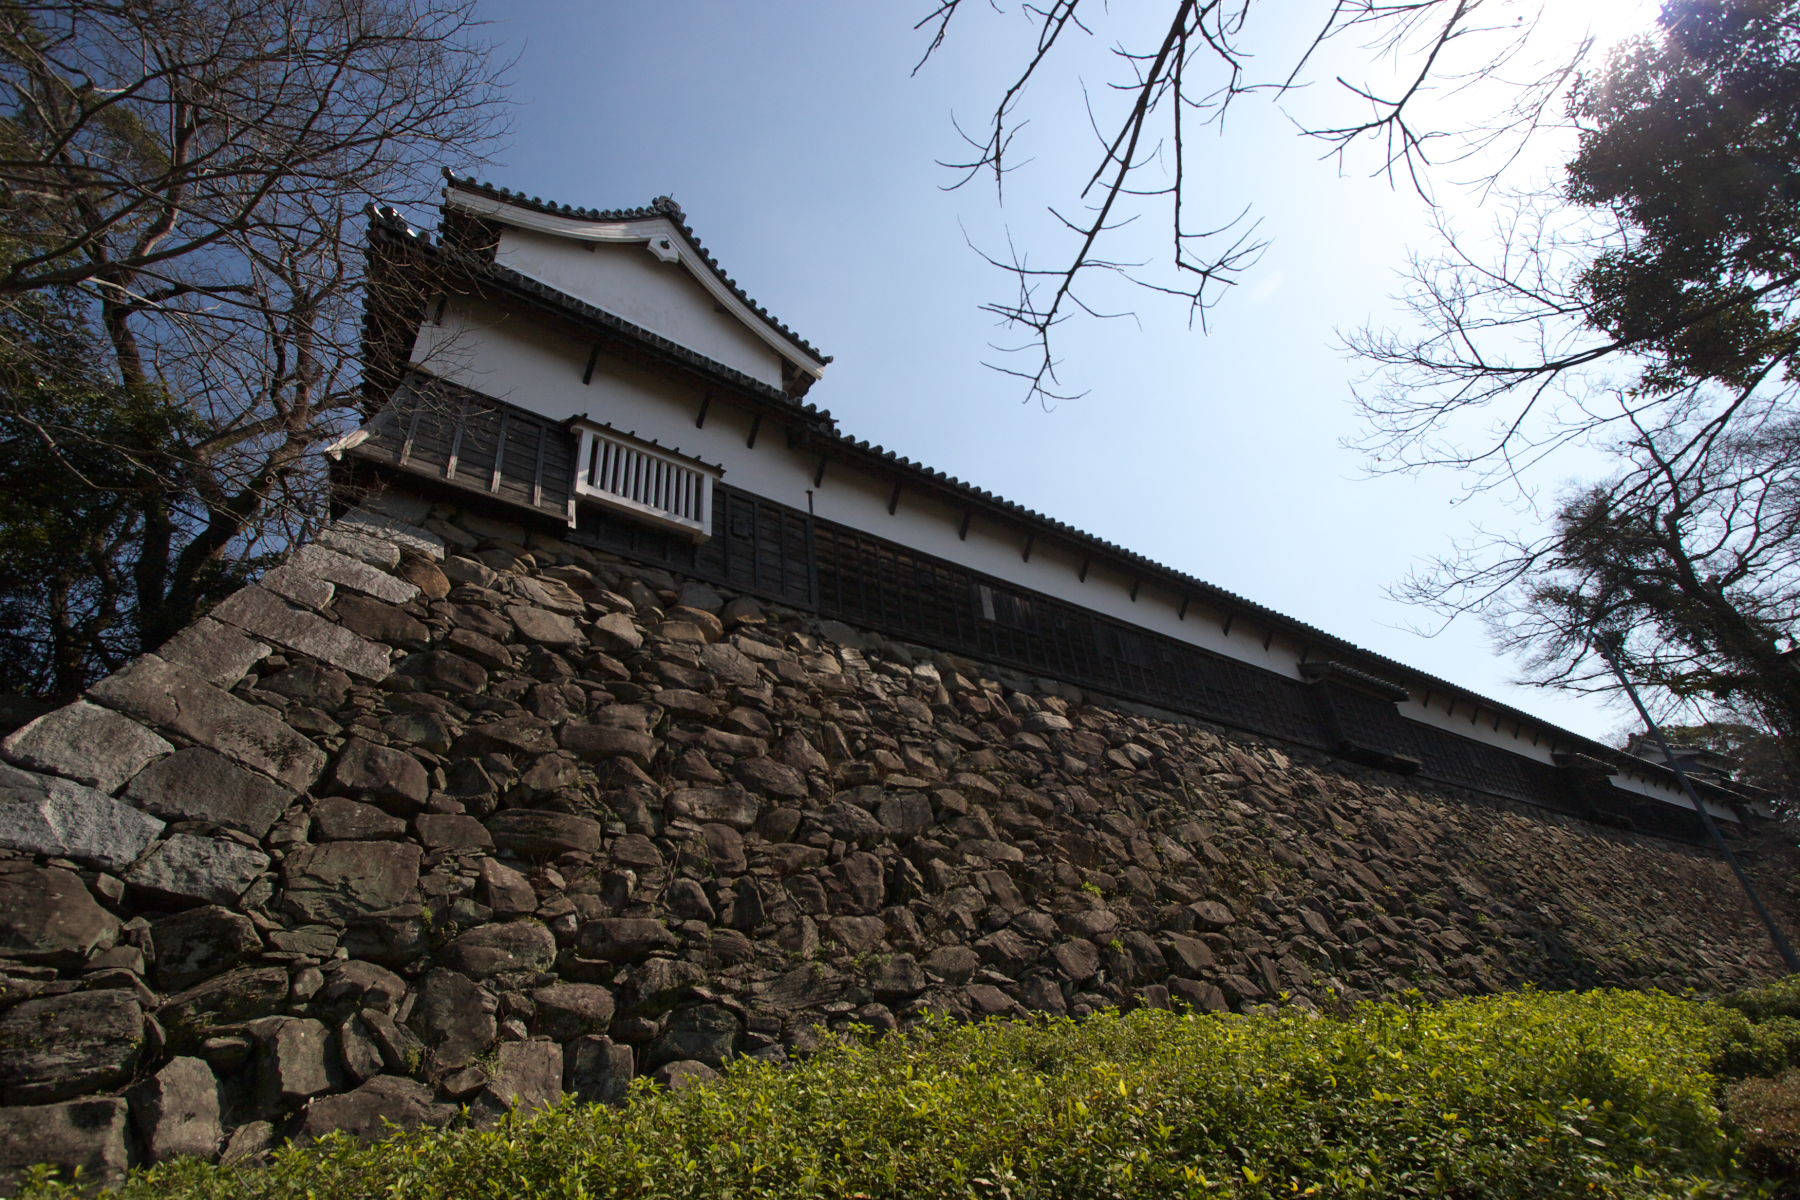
[404, 536]
[201, 942]
[176, 1111]
[214, 651]
[187, 866]
[455, 1017]
[728, 806]
[295, 1060]
[47, 915]
[598, 1069]
[59, 818]
[370, 1111]
[535, 833]
[525, 1075]
[88, 1135]
[500, 947]
[264, 615]
[197, 784]
[173, 698]
[347, 572]
[340, 880]
[57, 1047]
[86, 743]
[392, 778]
[229, 999]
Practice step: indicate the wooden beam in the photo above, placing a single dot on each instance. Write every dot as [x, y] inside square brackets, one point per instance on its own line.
[1268, 639]
[1030, 541]
[1229, 618]
[700, 417]
[1181, 613]
[587, 372]
[755, 428]
[1081, 575]
[894, 499]
[1135, 584]
[819, 472]
[962, 531]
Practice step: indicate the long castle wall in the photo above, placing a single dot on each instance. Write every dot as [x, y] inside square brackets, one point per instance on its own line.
[449, 815]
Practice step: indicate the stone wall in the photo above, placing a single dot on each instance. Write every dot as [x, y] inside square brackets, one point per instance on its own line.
[446, 816]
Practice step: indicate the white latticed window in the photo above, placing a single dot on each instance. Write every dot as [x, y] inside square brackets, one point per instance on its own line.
[639, 477]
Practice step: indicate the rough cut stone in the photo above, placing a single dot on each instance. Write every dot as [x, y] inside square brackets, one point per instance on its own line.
[392, 777]
[369, 1111]
[503, 946]
[618, 632]
[622, 939]
[86, 743]
[59, 818]
[728, 806]
[88, 1135]
[451, 672]
[534, 833]
[47, 915]
[264, 615]
[57, 1047]
[571, 1010]
[339, 880]
[596, 743]
[297, 587]
[505, 890]
[294, 1060]
[352, 573]
[454, 1017]
[173, 698]
[197, 784]
[336, 819]
[214, 652]
[365, 523]
[452, 831]
[211, 870]
[378, 621]
[526, 1075]
[683, 1074]
[200, 942]
[176, 1111]
[597, 1069]
[541, 627]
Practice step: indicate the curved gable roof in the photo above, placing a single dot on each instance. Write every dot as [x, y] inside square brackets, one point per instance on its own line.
[505, 206]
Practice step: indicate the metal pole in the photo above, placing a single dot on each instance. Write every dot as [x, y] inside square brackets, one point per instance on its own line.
[1687, 785]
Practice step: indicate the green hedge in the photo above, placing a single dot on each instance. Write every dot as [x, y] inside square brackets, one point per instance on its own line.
[1523, 1095]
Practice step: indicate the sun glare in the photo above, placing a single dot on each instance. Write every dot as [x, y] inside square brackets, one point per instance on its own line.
[1607, 22]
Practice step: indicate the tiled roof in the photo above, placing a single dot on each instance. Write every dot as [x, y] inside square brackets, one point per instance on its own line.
[662, 206]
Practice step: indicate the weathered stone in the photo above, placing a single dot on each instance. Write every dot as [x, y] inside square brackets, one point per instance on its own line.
[683, 1074]
[451, 672]
[176, 1111]
[454, 1017]
[541, 627]
[208, 869]
[48, 916]
[770, 778]
[618, 632]
[623, 939]
[571, 1010]
[373, 1109]
[57, 1047]
[266, 616]
[500, 947]
[197, 784]
[864, 879]
[596, 743]
[297, 587]
[309, 682]
[294, 1061]
[1078, 960]
[355, 984]
[727, 806]
[86, 743]
[192, 945]
[85, 1135]
[521, 735]
[898, 976]
[336, 819]
[452, 831]
[173, 698]
[526, 1074]
[534, 833]
[214, 652]
[378, 622]
[339, 880]
[505, 890]
[402, 536]
[904, 814]
[480, 648]
[1187, 955]
[656, 985]
[392, 778]
[683, 702]
[597, 1069]
[955, 964]
[59, 818]
[392, 937]
[706, 1033]
[351, 573]
[240, 995]
[1212, 915]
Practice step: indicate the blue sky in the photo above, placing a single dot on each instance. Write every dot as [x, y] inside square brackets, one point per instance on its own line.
[803, 151]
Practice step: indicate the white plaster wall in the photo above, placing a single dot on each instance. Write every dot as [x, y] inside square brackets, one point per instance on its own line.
[518, 360]
[628, 281]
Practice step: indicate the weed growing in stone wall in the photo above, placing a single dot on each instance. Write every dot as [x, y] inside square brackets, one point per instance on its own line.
[1519, 1095]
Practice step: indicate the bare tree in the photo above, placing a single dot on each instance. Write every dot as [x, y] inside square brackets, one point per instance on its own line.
[193, 173]
[1396, 71]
